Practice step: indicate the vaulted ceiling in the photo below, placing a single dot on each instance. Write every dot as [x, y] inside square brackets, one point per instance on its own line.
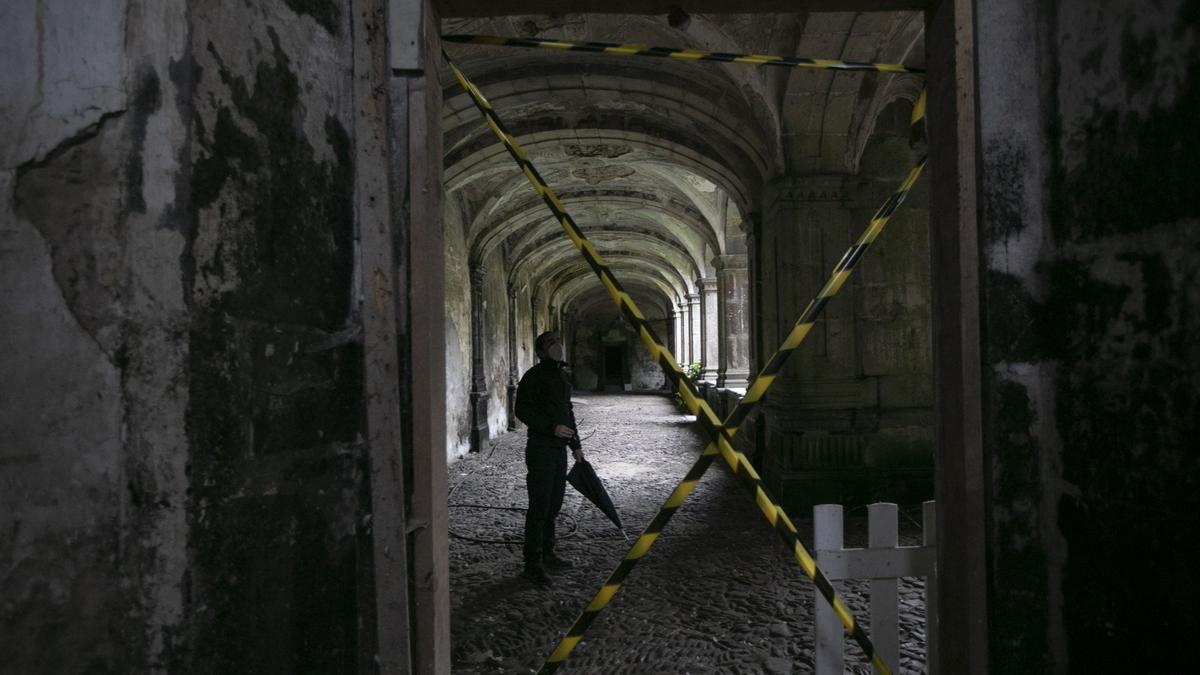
[660, 161]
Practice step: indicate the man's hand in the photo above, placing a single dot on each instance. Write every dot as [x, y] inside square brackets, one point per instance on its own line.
[578, 453]
[564, 431]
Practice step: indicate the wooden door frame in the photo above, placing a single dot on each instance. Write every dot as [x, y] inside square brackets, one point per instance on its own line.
[954, 252]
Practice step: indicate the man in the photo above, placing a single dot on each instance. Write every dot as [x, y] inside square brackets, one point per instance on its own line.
[544, 406]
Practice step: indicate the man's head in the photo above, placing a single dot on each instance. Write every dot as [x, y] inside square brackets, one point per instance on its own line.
[548, 346]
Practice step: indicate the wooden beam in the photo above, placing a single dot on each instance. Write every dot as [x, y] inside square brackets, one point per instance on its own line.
[465, 8]
[958, 406]
[384, 602]
[416, 138]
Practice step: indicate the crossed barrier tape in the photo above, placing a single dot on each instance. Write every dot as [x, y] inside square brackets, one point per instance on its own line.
[681, 54]
[744, 407]
[720, 435]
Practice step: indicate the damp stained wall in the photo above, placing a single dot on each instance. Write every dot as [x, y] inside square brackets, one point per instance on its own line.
[93, 355]
[275, 413]
[183, 483]
[458, 337]
[1090, 251]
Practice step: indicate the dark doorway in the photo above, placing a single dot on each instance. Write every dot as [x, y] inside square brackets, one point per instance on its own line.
[614, 368]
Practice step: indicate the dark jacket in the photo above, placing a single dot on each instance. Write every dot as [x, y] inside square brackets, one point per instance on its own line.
[544, 402]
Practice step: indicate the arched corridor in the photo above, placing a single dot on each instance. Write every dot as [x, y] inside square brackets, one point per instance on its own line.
[268, 281]
[722, 196]
[716, 593]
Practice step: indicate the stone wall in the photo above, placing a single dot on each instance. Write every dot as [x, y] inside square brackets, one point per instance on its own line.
[184, 478]
[850, 418]
[1091, 377]
[93, 354]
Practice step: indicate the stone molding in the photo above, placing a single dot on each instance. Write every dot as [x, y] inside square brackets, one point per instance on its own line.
[835, 189]
[737, 261]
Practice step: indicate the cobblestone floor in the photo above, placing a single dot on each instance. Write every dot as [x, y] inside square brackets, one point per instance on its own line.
[718, 592]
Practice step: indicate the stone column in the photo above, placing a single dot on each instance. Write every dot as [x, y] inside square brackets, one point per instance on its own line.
[710, 332]
[512, 357]
[681, 332]
[533, 309]
[759, 352]
[479, 393]
[693, 300]
[733, 322]
[672, 335]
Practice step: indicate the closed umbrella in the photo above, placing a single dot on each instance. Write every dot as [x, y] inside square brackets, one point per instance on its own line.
[583, 478]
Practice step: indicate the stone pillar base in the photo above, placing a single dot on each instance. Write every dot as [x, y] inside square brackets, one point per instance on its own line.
[512, 407]
[479, 422]
[734, 379]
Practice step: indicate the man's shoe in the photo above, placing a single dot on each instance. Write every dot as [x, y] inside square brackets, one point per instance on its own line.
[536, 574]
[555, 563]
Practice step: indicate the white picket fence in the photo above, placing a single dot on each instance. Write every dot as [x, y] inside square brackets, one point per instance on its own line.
[883, 562]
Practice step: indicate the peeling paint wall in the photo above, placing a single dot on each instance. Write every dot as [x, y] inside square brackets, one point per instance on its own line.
[1090, 253]
[92, 370]
[184, 485]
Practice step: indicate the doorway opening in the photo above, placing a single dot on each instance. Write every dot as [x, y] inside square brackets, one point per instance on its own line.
[666, 265]
[614, 368]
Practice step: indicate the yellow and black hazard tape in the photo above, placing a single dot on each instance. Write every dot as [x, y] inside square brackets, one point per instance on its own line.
[613, 583]
[681, 54]
[705, 416]
[841, 271]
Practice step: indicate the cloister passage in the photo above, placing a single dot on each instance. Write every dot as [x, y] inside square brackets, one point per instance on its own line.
[717, 594]
[722, 195]
[267, 281]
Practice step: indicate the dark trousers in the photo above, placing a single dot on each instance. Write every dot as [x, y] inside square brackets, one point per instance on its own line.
[546, 481]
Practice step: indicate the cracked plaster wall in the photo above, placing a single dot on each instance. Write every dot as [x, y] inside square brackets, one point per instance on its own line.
[181, 475]
[92, 485]
[1091, 374]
